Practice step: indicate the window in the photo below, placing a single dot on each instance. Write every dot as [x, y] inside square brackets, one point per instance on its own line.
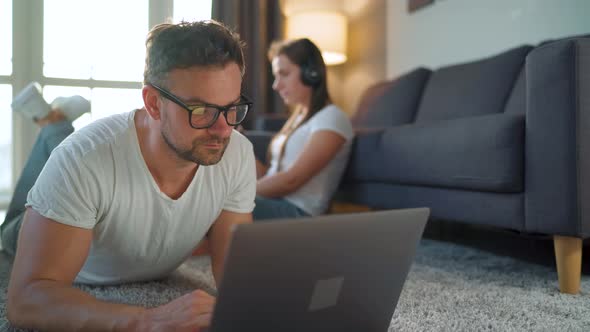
[2, 216]
[191, 10]
[85, 46]
[104, 53]
[98, 53]
[6, 38]
[5, 98]
[5, 138]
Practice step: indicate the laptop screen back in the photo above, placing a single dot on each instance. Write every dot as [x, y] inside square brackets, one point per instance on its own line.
[330, 273]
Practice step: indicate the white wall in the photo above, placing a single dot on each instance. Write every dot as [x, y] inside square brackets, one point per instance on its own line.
[451, 31]
[366, 57]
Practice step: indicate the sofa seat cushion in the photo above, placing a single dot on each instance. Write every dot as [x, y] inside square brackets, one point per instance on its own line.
[483, 153]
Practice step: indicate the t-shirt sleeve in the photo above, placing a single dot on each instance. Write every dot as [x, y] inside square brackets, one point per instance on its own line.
[332, 119]
[66, 191]
[243, 189]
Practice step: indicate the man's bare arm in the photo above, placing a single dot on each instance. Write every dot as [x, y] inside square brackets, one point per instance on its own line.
[41, 296]
[220, 236]
[40, 292]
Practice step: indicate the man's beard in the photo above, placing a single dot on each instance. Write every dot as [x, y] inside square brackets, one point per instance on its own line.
[197, 153]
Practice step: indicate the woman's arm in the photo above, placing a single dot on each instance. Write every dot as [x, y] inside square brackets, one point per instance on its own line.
[261, 169]
[319, 150]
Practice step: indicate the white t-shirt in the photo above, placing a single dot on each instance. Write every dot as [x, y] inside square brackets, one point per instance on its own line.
[315, 195]
[97, 179]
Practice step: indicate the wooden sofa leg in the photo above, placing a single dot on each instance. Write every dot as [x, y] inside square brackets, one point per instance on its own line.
[568, 255]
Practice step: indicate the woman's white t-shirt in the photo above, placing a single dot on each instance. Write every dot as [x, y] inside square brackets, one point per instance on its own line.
[97, 179]
[315, 195]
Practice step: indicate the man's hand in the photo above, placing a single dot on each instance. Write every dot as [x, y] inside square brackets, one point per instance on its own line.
[190, 312]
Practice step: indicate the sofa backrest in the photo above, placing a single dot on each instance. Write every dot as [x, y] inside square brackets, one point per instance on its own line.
[469, 89]
[516, 103]
[544, 42]
[390, 103]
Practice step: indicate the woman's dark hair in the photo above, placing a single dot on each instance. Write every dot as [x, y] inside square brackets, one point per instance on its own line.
[183, 45]
[304, 53]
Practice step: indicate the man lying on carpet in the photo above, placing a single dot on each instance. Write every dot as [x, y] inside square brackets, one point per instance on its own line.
[129, 197]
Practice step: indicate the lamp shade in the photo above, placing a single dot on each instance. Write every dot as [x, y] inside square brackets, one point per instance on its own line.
[328, 30]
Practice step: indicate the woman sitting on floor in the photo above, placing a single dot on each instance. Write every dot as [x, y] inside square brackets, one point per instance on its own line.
[309, 154]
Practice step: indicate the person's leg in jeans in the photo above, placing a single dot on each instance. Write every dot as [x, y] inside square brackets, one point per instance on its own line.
[266, 209]
[51, 135]
[269, 208]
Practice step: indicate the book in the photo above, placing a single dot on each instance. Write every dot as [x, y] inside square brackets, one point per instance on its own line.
[30, 103]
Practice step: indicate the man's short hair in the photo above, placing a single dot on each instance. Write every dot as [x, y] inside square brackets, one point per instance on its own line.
[177, 46]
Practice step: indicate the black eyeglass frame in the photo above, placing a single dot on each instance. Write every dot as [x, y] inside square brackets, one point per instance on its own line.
[175, 99]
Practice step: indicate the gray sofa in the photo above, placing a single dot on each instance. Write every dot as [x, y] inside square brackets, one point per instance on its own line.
[502, 141]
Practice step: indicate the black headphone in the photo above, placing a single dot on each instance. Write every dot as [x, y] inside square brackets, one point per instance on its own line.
[310, 74]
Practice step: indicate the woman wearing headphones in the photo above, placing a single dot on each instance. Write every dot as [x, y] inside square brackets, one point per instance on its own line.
[309, 154]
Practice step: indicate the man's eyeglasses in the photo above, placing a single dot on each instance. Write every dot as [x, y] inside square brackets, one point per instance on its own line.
[203, 116]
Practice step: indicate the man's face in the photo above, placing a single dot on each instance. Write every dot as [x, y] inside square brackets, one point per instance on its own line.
[219, 86]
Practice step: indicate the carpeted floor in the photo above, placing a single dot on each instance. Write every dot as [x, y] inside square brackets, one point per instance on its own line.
[451, 287]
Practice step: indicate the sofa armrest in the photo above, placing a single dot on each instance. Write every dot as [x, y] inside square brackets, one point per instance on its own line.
[557, 167]
[260, 140]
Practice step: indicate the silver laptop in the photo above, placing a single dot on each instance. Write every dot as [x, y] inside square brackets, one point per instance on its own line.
[341, 272]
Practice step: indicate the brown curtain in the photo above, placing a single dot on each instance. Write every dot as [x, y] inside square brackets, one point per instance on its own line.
[258, 22]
